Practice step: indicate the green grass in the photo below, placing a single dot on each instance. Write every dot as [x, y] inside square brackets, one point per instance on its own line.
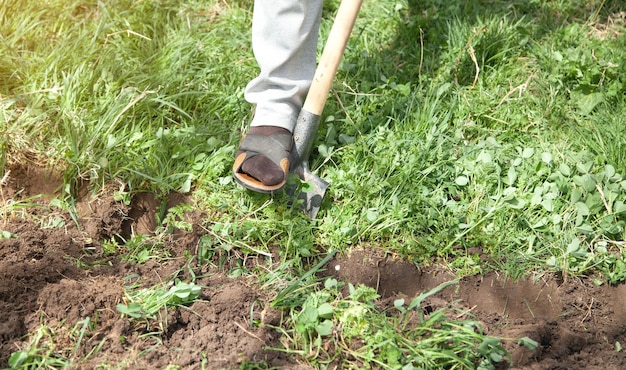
[452, 125]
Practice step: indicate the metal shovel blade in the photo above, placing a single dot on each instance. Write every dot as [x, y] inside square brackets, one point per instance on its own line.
[303, 136]
[311, 200]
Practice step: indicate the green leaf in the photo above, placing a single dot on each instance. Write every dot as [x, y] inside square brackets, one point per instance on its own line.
[576, 195]
[399, 305]
[324, 328]
[134, 310]
[488, 343]
[515, 203]
[548, 204]
[213, 143]
[325, 150]
[462, 180]
[537, 196]
[587, 102]
[18, 358]
[182, 294]
[345, 139]
[309, 314]
[330, 283]
[325, 311]
[485, 157]
[7, 235]
[595, 203]
[185, 187]
[186, 292]
[491, 346]
[565, 170]
[620, 207]
[540, 224]
[511, 176]
[573, 246]
[496, 356]
[585, 229]
[584, 168]
[528, 152]
[372, 215]
[528, 343]
[609, 171]
[587, 182]
[363, 293]
[551, 262]
[302, 327]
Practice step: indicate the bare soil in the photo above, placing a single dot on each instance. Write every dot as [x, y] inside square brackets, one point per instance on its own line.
[44, 279]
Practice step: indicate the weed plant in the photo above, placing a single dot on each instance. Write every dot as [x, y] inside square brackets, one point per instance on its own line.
[41, 352]
[330, 328]
[146, 303]
[455, 130]
[47, 347]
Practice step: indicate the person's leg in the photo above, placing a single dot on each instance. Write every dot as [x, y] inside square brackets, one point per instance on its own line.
[284, 41]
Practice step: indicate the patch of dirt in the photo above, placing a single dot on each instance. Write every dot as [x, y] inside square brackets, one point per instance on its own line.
[576, 323]
[42, 280]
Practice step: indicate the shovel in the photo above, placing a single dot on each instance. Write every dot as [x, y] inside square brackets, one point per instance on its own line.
[309, 119]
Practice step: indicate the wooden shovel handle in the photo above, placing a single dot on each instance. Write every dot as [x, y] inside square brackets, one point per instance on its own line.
[331, 56]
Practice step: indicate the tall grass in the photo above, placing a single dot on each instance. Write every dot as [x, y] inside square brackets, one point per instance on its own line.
[123, 89]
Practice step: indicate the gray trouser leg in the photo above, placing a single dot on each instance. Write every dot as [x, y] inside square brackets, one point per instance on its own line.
[284, 41]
